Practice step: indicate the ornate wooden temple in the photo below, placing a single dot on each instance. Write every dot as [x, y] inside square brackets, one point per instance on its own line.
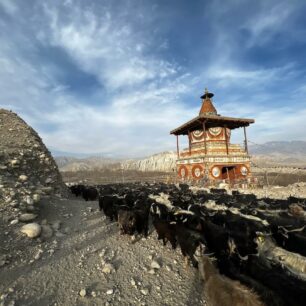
[210, 154]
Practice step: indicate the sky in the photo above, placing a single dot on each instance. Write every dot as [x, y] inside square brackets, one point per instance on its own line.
[113, 78]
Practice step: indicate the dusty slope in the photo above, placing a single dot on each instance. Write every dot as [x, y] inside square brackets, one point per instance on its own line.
[82, 245]
[27, 169]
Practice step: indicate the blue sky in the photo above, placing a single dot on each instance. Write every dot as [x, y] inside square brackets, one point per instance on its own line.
[114, 77]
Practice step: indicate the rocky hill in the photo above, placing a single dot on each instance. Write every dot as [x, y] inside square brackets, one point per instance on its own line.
[285, 153]
[80, 164]
[164, 162]
[161, 162]
[27, 169]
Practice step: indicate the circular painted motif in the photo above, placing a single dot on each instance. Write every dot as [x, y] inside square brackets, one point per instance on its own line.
[215, 131]
[244, 170]
[215, 171]
[183, 171]
[197, 134]
[197, 171]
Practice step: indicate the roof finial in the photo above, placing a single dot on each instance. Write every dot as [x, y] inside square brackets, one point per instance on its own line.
[207, 94]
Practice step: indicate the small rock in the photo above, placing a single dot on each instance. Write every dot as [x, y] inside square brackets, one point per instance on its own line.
[47, 190]
[133, 282]
[23, 178]
[14, 203]
[36, 198]
[29, 200]
[51, 251]
[152, 271]
[93, 294]
[38, 254]
[48, 180]
[3, 296]
[168, 268]
[108, 268]
[144, 291]
[155, 265]
[82, 292]
[27, 217]
[13, 222]
[14, 162]
[110, 291]
[32, 230]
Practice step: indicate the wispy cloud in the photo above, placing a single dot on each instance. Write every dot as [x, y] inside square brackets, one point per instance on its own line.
[271, 19]
[99, 77]
[115, 51]
[9, 6]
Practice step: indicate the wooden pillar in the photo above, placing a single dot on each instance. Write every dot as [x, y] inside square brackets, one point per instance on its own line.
[204, 130]
[226, 139]
[177, 147]
[245, 141]
[189, 138]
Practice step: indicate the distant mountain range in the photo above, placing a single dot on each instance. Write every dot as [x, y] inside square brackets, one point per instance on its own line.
[66, 163]
[278, 153]
[274, 153]
[280, 147]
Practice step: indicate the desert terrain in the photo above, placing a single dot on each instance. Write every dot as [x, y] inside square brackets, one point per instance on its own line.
[58, 249]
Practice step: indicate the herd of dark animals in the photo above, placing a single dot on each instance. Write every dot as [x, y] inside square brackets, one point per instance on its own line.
[258, 243]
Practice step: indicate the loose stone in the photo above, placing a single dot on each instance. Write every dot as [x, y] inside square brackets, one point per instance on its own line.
[27, 217]
[110, 291]
[155, 265]
[32, 230]
[23, 178]
[144, 291]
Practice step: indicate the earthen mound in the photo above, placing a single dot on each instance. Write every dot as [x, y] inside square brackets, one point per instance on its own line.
[27, 169]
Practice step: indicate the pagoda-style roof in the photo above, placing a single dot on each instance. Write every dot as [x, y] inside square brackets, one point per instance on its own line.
[207, 105]
[208, 115]
[211, 121]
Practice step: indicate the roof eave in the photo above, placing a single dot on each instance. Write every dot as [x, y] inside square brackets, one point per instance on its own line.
[231, 123]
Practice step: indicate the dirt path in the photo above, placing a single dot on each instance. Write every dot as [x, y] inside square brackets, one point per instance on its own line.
[82, 251]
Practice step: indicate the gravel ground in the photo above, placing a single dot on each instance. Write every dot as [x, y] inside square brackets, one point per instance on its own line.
[86, 256]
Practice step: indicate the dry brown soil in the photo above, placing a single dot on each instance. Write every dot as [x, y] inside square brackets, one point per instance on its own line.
[52, 272]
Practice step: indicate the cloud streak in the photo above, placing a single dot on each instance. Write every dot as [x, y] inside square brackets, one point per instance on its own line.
[111, 79]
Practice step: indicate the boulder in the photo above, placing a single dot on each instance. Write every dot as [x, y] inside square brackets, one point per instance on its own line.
[32, 230]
